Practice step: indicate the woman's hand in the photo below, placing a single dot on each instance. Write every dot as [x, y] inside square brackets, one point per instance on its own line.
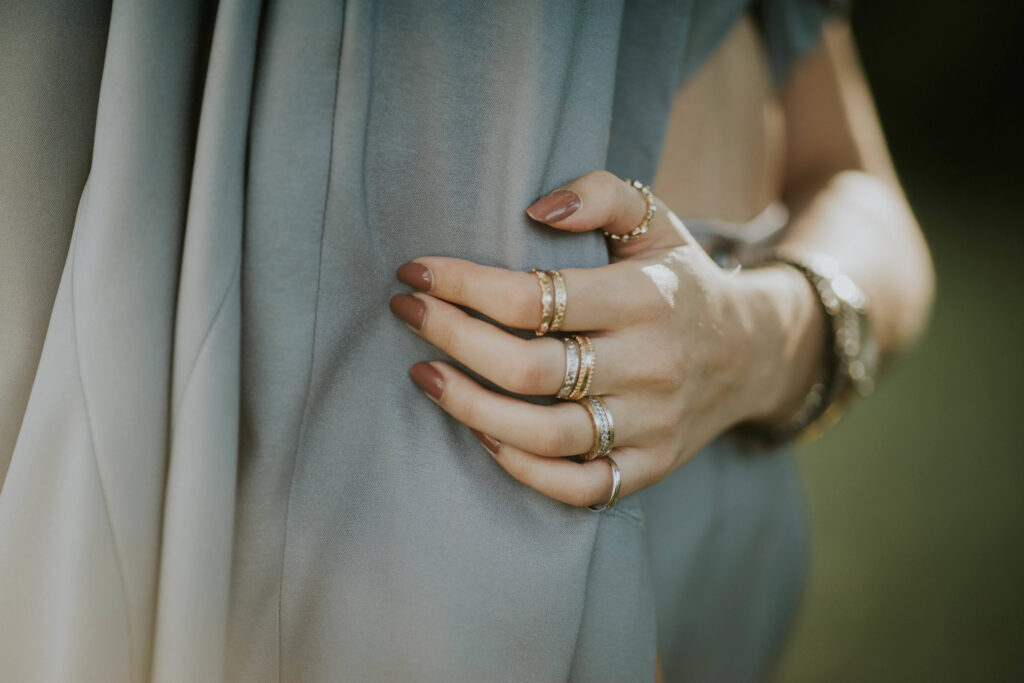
[683, 349]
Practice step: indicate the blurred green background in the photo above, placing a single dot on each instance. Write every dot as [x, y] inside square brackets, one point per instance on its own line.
[917, 497]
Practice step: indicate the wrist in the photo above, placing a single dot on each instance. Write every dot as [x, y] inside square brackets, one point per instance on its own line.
[787, 355]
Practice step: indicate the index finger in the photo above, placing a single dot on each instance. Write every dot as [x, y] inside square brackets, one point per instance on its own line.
[604, 298]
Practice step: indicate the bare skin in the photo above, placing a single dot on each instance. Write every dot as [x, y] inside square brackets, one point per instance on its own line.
[719, 348]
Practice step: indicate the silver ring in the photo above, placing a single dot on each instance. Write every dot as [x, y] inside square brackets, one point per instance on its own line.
[604, 426]
[616, 487]
[572, 367]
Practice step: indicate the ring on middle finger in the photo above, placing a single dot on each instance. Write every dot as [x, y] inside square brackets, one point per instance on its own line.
[582, 365]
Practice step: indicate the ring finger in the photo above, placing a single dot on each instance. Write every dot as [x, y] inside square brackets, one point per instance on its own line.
[558, 430]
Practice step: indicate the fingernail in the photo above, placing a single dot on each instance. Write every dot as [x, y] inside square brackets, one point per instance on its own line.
[490, 443]
[417, 276]
[428, 379]
[555, 206]
[409, 309]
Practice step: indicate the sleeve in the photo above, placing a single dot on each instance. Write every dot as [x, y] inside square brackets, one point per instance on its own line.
[792, 28]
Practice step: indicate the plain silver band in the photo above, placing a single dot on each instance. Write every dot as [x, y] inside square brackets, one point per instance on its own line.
[616, 487]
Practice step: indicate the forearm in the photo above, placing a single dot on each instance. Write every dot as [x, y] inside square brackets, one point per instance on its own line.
[866, 226]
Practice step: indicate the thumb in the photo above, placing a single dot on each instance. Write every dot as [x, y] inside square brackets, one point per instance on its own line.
[601, 200]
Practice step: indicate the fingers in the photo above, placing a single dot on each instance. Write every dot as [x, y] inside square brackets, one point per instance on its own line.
[605, 298]
[534, 367]
[559, 430]
[575, 483]
[601, 200]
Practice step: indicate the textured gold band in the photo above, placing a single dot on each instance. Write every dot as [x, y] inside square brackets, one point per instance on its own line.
[645, 222]
[547, 299]
[561, 299]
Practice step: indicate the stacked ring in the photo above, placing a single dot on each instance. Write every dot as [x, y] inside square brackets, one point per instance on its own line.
[572, 367]
[553, 300]
[645, 222]
[581, 367]
[547, 298]
[616, 488]
[604, 427]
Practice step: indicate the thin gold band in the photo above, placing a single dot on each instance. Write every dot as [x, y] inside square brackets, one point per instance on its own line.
[645, 222]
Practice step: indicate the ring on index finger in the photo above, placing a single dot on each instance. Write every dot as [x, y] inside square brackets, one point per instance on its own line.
[553, 300]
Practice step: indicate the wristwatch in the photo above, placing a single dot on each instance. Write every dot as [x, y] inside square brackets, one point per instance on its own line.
[846, 306]
[852, 360]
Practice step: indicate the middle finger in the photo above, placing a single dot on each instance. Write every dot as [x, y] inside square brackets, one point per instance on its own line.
[605, 298]
[534, 367]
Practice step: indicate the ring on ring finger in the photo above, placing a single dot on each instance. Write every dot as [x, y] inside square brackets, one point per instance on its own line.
[604, 427]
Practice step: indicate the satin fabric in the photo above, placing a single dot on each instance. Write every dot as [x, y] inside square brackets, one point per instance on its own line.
[223, 472]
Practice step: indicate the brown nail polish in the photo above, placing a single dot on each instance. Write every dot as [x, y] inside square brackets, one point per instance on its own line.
[428, 379]
[490, 443]
[409, 309]
[556, 206]
[417, 276]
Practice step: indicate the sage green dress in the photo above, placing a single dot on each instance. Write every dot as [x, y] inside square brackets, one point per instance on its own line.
[219, 469]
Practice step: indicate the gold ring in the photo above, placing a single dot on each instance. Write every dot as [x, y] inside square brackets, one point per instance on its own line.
[645, 222]
[572, 367]
[604, 426]
[616, 487]
[547, 299]
[560, 300]
[585, 376]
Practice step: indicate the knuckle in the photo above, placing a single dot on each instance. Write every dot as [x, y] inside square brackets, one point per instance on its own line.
[668, 369]
[527, 375]
[556, 440]
[441, 330]
[581, 498]
[454, 285]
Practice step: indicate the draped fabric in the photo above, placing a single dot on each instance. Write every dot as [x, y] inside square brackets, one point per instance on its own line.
[222, 470]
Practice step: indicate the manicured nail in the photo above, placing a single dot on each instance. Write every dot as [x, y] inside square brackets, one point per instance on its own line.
[555, 206]
[409, 309]
[417, 276]
[428, 379]
[490, 443]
